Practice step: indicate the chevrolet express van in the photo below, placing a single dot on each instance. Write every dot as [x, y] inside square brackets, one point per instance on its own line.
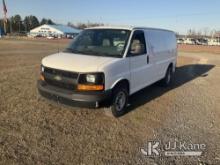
[109, 64]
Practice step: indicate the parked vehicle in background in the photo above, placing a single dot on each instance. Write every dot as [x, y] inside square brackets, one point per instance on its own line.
[50, 37]
[214, 42]
[180, 41]
[190, 41]
[109, 64]
[70, 36]
[201, 41]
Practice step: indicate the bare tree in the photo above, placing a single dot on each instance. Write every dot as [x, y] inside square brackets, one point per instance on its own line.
[81, 25]
[205, 31]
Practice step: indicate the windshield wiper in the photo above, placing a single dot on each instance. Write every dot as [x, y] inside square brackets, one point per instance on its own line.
[70, 50]
[90, 52]
[99, 54]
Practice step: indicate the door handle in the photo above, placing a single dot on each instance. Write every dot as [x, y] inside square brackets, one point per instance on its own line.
[148, 60]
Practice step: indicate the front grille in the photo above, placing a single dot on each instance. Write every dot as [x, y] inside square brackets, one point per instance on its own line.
[61, 73]
[67, 80]
[61, 84]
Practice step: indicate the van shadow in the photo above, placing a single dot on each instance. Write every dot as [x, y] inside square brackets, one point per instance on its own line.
[183, 75]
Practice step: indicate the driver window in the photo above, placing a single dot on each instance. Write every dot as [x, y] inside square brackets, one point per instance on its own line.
[138, 45]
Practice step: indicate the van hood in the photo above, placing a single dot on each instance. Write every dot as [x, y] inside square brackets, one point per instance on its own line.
[75, 62]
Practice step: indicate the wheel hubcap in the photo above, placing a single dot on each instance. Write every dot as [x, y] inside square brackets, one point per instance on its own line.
[120, 101]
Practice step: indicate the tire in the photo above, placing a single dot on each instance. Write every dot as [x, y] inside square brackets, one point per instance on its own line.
[166, 81]
[119, 100]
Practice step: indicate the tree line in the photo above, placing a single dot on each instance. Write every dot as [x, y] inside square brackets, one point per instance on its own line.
[202, 33]
[16, 24]
[81, 25]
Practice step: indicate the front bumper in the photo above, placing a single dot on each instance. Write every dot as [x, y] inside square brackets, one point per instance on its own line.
[87, 99]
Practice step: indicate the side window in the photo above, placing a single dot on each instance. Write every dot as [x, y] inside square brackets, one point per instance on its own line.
[138, 44]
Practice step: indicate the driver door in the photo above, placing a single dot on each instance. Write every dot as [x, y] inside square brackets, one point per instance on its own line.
[140, 62]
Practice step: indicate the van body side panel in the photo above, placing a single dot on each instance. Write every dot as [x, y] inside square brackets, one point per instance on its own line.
[163, 48]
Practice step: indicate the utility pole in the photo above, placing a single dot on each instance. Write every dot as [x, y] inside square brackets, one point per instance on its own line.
[11, 30]
[5, 16]
[5, 26]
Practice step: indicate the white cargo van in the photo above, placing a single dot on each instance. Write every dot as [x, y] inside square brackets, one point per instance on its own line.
[109, 63]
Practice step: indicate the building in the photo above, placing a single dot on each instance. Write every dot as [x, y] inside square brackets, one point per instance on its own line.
[54, 31]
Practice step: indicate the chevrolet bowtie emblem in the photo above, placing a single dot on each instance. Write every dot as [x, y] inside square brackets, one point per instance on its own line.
[58, 78]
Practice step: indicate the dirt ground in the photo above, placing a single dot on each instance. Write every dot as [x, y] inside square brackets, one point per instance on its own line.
[36, 131]
[199, 48]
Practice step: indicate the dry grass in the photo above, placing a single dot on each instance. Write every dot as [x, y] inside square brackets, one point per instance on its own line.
[36, 131]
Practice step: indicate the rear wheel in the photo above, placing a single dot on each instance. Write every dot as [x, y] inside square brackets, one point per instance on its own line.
[166, 81]
[119, 100]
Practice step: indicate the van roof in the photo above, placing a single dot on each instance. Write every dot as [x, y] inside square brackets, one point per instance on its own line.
[127, 28]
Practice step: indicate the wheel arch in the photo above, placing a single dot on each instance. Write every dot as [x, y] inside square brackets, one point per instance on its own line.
[122, 81]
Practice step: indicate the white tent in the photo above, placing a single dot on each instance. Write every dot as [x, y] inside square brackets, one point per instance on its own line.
[54, 30]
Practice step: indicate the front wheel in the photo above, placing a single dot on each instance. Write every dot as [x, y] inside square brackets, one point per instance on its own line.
[119, 101]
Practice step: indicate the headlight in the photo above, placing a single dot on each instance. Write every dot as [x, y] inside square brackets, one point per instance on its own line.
[91, 81]
[41, 73]
[42, 68]
[90, 78]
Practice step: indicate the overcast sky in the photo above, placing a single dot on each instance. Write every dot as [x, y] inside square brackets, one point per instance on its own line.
[177, 15]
